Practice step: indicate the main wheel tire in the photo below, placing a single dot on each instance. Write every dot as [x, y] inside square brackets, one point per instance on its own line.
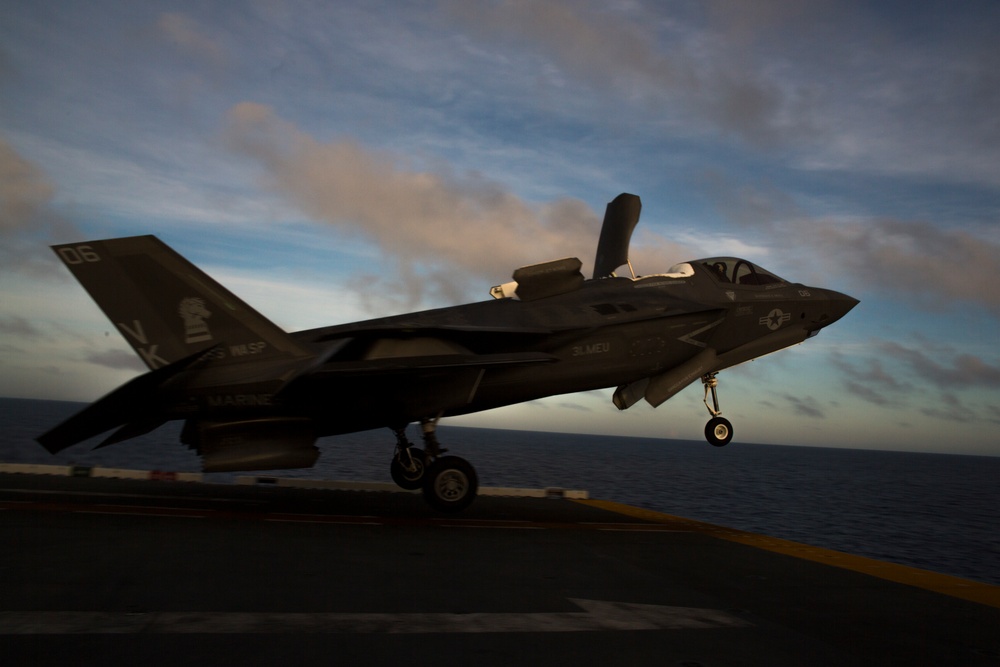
[450, 484]
[409, 479]
[718, 431]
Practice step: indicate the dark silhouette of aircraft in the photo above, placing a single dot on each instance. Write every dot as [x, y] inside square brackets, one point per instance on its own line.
[254, 397]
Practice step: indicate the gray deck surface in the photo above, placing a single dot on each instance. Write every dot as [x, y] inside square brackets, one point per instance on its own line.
[106, 572]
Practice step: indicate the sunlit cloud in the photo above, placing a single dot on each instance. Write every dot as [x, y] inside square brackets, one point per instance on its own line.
[24, 191]
[27, 219]
[435, 218]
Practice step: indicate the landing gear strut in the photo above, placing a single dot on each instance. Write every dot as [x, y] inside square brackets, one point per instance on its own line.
[449, 483]
[408, 463]
[718, 430]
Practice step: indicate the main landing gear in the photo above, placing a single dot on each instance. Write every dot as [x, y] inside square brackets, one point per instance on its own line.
[450, 483]
[718, 430]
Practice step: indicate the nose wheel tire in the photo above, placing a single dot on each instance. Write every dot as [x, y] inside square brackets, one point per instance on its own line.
[450, 484]
[718, 431]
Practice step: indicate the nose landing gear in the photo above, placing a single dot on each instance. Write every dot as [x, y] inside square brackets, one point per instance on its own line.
[718, 430]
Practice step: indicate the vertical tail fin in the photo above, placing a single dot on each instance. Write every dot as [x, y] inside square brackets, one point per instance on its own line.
[168, 309]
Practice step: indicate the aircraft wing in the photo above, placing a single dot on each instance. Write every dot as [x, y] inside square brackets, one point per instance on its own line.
[410, 328]
[395, 365]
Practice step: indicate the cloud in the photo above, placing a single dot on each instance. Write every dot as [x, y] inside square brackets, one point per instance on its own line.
[806, 406]
[993, 413]
[760, 204]
[27, 220]
[117, 359]
[944, 368]
[924, 369]
[7, 69]
[24, 191]
[884, 92]
[924, 263]
[917, 260]
[834, 86]
[869, 394]
[870, 382]
[598, 45]
[190, 39]
[642, 59]
[444, 222]
[951, 410]
[745, 23]
[15, 325]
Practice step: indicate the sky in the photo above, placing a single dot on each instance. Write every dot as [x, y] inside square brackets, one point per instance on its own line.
[330, 162]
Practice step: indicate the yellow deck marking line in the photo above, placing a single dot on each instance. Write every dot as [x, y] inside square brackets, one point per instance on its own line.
[956, 587]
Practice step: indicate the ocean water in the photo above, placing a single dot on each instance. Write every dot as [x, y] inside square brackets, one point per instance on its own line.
[934, 511]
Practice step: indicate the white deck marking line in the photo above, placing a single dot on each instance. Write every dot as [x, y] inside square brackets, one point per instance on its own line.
[596, 616]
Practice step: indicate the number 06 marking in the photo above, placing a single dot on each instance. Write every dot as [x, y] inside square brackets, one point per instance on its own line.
[79, 254]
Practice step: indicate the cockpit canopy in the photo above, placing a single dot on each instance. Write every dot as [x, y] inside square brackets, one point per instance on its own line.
[563, 275]
[737, 271]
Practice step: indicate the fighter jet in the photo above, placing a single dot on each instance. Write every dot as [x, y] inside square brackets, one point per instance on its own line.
[255, 397]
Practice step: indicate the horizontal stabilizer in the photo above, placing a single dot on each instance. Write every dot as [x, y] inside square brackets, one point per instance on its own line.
[129, 404]
[133, 429]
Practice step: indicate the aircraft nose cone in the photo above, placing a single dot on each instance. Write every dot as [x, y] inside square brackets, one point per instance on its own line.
[838, 306]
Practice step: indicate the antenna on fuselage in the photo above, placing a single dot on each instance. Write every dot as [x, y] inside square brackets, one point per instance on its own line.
[620, 219]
